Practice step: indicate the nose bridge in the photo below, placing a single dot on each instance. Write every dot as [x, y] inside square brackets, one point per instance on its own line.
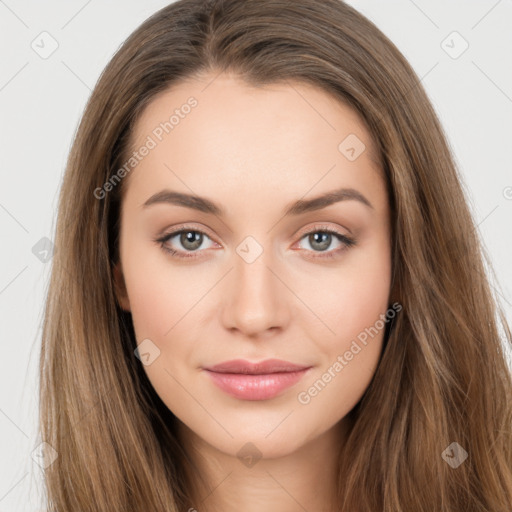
[256, 301]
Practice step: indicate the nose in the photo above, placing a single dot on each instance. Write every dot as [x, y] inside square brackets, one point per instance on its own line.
[257, 300]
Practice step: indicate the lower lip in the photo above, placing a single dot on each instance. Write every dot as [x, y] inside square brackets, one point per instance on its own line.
[256, 387]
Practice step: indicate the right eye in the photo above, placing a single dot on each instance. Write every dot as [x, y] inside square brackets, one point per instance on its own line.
[191, 241]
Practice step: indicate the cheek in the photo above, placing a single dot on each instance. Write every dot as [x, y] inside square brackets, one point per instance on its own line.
[350, 298]
[165, 303]
[158, 294]
[161, 312]
[153, 305]
[352, 305]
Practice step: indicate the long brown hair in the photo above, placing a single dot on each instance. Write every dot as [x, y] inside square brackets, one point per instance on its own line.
[443, 376]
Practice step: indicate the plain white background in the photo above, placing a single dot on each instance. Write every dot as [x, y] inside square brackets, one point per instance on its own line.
[42, 99]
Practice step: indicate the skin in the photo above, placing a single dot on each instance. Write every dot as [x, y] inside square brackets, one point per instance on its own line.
[254, 151]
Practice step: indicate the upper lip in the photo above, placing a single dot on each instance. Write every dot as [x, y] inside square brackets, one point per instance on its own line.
[261, 368]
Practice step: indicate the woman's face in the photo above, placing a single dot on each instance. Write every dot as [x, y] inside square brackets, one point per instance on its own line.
[246, 173]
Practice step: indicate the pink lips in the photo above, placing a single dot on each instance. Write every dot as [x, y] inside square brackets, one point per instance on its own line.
[255, 381]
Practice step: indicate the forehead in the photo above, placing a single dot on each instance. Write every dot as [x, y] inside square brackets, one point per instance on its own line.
[215, 131]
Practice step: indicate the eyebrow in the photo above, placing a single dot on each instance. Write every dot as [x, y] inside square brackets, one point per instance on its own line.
[299, 207]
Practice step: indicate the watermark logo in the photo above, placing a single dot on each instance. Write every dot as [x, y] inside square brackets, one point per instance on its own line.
[44, 455]
[147, 352]
[43, 250]
[454, 455]
[249, 455]
[454, 45]
[249, 249]
[44, 45]
[351, 147]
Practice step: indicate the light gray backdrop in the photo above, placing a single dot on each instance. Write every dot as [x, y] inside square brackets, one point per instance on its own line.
[52, 55]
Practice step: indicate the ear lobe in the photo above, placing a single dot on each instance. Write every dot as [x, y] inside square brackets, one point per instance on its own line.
[120, 288]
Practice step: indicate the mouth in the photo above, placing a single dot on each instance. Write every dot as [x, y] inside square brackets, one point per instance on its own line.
[256, 381]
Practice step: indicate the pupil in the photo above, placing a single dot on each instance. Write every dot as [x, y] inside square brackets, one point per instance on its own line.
[324, 241]
[191, 240]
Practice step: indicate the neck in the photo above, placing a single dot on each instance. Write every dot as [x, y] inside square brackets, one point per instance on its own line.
[304, 479]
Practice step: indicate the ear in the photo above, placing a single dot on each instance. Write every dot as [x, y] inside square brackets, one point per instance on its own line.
[120, 288]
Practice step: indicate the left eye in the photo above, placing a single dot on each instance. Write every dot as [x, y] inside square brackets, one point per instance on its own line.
[321, 240]
[192, 240]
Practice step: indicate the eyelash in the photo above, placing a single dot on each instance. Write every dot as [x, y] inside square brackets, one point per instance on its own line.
[346, 241]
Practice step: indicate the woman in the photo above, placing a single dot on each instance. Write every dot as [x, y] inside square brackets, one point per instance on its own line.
[268, 291]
